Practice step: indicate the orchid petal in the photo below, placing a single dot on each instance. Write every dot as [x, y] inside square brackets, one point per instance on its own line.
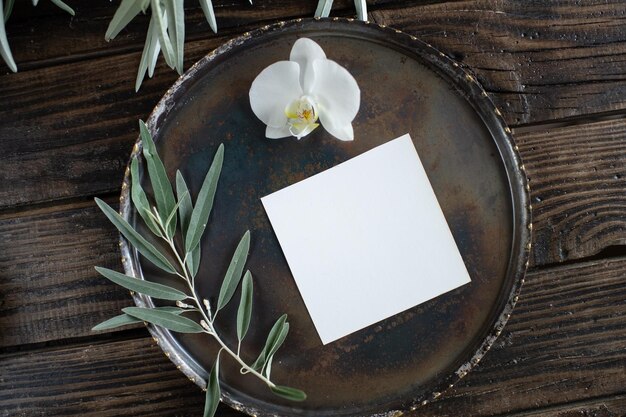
[336, 92]
[273, 89]
[305, 52]
[277, 132]
[340, 131]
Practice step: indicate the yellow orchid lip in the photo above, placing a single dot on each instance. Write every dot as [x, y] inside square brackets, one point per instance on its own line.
[302, 116]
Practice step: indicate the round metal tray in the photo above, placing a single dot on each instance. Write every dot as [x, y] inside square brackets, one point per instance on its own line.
[407, 87]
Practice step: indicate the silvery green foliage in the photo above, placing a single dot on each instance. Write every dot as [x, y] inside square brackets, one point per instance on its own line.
[6, 7]
[162, 215]
[324, 6]
[166, 31]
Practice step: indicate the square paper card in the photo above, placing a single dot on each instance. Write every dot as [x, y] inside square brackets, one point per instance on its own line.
[366, 239]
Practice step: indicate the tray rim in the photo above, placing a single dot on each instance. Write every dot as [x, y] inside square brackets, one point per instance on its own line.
[491, 116]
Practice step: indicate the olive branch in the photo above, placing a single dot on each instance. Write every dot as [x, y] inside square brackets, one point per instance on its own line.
[183, 262]
[166, 30]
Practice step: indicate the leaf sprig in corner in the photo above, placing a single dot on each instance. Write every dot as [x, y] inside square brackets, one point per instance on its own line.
[160, 219]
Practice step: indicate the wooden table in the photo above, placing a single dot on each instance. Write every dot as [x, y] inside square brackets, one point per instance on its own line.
[68, 120]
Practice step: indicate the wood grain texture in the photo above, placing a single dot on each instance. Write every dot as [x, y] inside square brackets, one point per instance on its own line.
[49, 289]
[539, 59]
[598, 407]
[565, 342]
[29, 27]
[578, 188]
[131, 378]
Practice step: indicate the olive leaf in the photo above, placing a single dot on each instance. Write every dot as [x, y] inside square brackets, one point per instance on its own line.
[273, 336]
[159, 15]
[126, 11]
[204, 202]
[213, 391]
[289, 393]
[8, 9]
[161, 186]
[176, 28]
[125, 319]
[140, 200]
[117, 321]
[323, 8]
[172, 215]
[207, 8]
[139, 242]
[184, 211]
[150, 54]
[277, 343]
[244, 312]
[164, 319]
[63, 6]
[5, 49]
[235, 269]
[141, 286]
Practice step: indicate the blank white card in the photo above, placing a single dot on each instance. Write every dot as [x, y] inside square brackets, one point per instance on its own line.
[366, 239]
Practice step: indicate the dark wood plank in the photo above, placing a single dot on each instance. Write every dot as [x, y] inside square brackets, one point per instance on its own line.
[598, 407]
[578, 188]
[566, 342]
[131, 378]
[48, 287]
[539, 60]
[86, 115]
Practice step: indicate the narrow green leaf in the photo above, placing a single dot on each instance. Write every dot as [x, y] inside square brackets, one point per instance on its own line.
[176, 28]
[161, 186]
[235, 269]
[126, 11]
[117, 321]
[125, 319]
[245, 306]
[5, 49]
[269, 342]
[361, 9]
[323, 8]
[184, 199]
[278, 342]
[171, 216]
[142, 245]
[63, 7]
[8, 8]
[155, 48]
[209, 13]
[193, 261]
[164, 39]
[212, 399]
[149, 55]
[204, 202]
[184, 211]
[289, 393]
[141, 286]
[164, 319]
[140, 200]
[268, 368]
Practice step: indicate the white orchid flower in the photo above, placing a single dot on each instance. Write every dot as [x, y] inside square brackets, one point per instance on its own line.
[290, 97]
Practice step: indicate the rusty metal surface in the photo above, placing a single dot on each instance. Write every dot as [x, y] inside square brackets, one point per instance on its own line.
[469, 156]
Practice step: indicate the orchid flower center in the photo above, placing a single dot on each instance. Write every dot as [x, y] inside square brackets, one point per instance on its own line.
[302, 116]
